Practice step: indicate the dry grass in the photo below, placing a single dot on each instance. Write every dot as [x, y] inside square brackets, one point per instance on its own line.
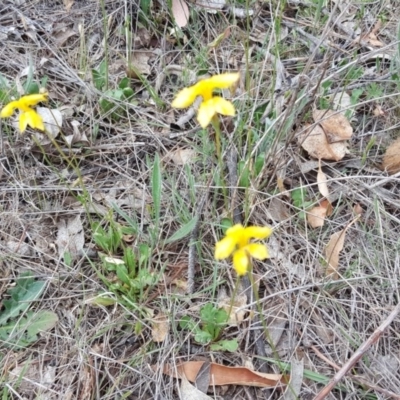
[106, 352]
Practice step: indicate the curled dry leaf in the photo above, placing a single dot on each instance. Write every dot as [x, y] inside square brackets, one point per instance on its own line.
[321, 180]
[160, 328]
[336, 126]
[70, 237]
[139, 64]
[314, 141]
[391, 159]
[316, 216]
[182, 156]
[333, 249]
[357, 209]
[223, 375]
[190, 392]
[68, 4]
[378, 111]
[180, 11]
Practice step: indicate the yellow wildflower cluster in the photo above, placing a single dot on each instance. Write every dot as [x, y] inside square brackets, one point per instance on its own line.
[211, 105]
[27, 116]
[237, 242]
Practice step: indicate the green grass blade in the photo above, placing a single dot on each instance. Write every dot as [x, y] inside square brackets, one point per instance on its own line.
[183, 231]
[156, 188]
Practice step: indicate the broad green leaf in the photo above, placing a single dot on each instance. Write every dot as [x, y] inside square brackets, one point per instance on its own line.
[26, 329]
[25, 291]
[124, 83]
[203, 337]
[244, 174]
[227, 345]
[226, 223]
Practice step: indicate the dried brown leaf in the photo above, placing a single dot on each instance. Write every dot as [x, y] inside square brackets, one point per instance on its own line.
[333, 249]
[68, 4]
[190, 392]
[70, 237]
[321, 179]
[357, 209]
[182, 156]
[316, 216]
[391, 159]
[378, 111]
[314, 141]
[223, 375]
[336, 126]
[139, 64]
[180, 11]
[160, 328]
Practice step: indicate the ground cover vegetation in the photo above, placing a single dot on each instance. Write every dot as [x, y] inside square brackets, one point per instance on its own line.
[199, 200]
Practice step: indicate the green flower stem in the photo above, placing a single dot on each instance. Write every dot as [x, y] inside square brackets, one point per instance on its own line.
[217, 128]
[235, 290]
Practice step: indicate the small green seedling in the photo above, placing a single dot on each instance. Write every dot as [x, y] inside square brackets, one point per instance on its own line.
[208, 331]
[19, 326]
[110, 239]
[109, 102]
[299, 201]
[132, 273]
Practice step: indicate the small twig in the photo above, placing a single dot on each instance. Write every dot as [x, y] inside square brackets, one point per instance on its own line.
[358, 354]
[360, 380]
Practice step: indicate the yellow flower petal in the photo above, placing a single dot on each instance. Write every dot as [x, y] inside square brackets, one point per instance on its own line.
[234, 230]
[257, 232]
[223, 81]
[23, 122]
[35, 120]
[31, 118]
[224, 248]
[206, 112]
[8, 110]
[23, 104]
[241, 262]
[257, 250]
[31, 100]
[223, 106]
[185, 98]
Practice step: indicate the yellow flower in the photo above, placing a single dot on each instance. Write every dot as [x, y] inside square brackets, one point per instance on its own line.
[210, 105]
[237, 241]
[28, 116]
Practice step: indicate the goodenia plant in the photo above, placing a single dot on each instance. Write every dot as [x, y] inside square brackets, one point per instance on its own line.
[237, 242]
[212, 323]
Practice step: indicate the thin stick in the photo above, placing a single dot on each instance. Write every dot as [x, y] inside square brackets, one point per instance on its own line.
[358, 354]
[359, 379]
